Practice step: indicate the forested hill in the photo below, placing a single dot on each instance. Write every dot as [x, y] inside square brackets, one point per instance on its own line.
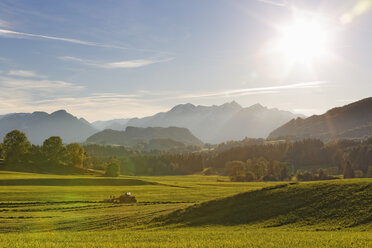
[353, 121]
[39, 126]
[135, 135]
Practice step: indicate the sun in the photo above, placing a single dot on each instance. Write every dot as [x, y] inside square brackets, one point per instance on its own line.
[304, 39]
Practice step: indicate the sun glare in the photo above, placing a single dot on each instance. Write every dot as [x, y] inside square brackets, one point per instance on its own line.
[304, 40]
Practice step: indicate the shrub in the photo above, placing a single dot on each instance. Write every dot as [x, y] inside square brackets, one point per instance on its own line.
[113, 168]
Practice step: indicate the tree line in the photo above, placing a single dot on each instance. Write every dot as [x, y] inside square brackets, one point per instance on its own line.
[16, 152]
[309, 159]
[248, 160]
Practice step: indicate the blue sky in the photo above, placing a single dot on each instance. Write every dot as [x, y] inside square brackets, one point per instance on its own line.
[117, 59]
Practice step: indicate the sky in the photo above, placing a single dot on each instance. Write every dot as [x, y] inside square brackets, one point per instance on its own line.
[123, 58]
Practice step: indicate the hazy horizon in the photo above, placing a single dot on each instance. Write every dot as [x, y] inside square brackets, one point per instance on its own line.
[166, 110]
[127, 59]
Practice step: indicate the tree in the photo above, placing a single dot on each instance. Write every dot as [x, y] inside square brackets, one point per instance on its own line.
[348, 170]
[259, 167]
[304, 176]
[1, 151]
[75, 154]
[16, 146]
[284, 172]
[236, 170]
[113, 168]
[53, 150]
[322, 175]
[88, 161]
[249, 176]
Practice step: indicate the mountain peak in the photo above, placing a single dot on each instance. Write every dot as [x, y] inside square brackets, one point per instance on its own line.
[182, 107]
[39, 126]
[232, 105]
[257, 106]
[60, 112]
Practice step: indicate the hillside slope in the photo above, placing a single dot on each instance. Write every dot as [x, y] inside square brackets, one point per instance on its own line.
[39, 126]
[135, 135]
[333, 204]
[353, 121]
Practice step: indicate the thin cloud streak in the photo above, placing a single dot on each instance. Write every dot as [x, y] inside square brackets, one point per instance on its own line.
[20, 35]
[4, 24]
[261, 90]
[22, 95]
[116, 65]
[24, 73]
[14, 84]
[91, 107]
[6, 33]
[280, 3]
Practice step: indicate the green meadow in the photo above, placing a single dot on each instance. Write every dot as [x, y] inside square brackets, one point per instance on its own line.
[38, 210]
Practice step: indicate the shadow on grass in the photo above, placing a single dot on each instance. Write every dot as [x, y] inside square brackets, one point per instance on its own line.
[333, 204]
[74, 182]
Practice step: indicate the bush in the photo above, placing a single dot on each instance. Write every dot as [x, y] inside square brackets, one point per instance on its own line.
[269, 178]
[304, 176]
[348, 170]
[358, 173]
[113, 168]
[250, 176]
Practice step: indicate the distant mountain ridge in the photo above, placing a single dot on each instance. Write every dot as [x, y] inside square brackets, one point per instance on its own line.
[216, 124]
[115, 124]
[352, 121]
[39, 126]
[136, 135]
[212, 124]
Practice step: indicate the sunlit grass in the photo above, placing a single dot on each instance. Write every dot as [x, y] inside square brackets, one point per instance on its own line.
[190, 237]
[74, 216]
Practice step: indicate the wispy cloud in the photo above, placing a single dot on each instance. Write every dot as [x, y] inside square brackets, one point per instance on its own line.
[27, 95]
[135, 63]
[101, 106]
[280, 3]
[7, 33]
[20, 35]
[22, 94]
[94, 107]
[4, 24]
[24, 73]
[116, 65]
[12, 84]
[31, 94]
[251, 91]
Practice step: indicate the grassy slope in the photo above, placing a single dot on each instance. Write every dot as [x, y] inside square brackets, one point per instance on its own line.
[327, 205]
[36, 202]
[72, 216]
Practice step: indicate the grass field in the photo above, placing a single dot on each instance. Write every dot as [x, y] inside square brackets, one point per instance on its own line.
[182, 211]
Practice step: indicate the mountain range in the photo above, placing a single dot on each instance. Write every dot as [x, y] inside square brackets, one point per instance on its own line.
[216, 124]
[39, 126]
[352, 121]
[211, 124]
